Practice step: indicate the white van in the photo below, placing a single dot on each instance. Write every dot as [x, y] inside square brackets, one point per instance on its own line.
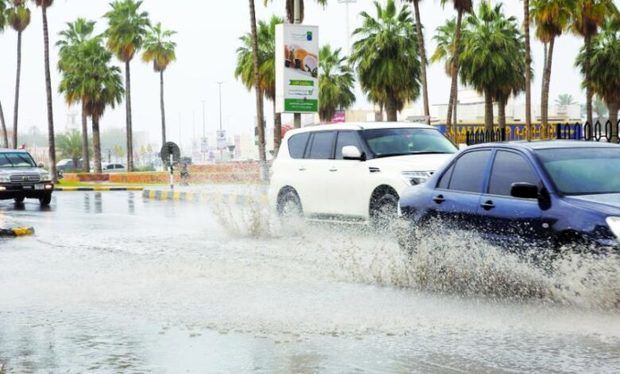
[353, 172]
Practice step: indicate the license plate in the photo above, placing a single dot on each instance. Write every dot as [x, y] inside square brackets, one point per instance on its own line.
[39, 187]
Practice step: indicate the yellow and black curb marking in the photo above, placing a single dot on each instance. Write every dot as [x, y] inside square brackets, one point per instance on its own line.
[16, 232]
[96, 189]
[203, 197]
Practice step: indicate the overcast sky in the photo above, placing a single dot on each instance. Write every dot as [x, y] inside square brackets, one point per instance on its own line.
[207, 38]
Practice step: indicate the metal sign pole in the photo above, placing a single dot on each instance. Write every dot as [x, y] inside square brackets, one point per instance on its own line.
[171, 160]
[297, 14]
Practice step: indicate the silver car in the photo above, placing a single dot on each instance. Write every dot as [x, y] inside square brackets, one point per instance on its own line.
[21, 178]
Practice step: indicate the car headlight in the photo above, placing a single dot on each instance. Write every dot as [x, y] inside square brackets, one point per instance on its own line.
[46, 176]
[416, 177]
[614, 225]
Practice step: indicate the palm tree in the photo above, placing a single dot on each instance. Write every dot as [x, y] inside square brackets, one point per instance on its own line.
[565, 100]
[160, 50]
[599, 107]
[528, 70]
[461, 7]
[423, 60]
[290, 9]
[18, 16]
[551, 18]
[490, 43]
[90, 79]
[51, 140]
[127, 27]
[76, 33]
[70, 146]
[602, 59]
[3, 5]
[259, 96]
[335, 83]
[267, 69]
[386, 58]
[587, 17]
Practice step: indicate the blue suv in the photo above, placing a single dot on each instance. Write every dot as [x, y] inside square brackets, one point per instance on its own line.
[552, 193]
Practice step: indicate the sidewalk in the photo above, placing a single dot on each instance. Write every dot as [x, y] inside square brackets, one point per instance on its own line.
[240, 194]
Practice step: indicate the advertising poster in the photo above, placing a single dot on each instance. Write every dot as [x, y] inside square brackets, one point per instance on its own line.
[297, 68]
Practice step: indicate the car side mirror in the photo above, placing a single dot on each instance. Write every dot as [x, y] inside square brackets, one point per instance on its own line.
[524, 191]
[351, 152]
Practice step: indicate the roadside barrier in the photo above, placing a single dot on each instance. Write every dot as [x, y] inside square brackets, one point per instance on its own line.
[16, 232]
[96, 189]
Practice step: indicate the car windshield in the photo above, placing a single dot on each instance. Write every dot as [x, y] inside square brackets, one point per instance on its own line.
[583, 171]
[407, 141]
[16, 160]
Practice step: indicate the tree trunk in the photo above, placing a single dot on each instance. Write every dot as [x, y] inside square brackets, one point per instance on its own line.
[96, 144]
[501, 113]
[277, 130]
[586, 67]
[17, 83]
[423, 61]
[488, 112]
[163, 108]
[128, 116]
[51, 137]
[85, 150]
[392, 112]
[455, 71]
[528, 73]
[5, 136]
[544, 106]
[613, 118]
[259, 96]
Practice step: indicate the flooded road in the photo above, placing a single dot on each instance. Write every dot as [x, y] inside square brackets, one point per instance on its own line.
[113, 283]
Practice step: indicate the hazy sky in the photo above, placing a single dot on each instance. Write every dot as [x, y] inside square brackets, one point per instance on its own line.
[207, 38]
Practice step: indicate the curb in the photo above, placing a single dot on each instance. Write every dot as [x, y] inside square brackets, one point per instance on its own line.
[204, 197]
[97, 189]
[16, 232]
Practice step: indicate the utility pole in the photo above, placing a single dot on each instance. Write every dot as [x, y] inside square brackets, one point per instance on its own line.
[220, 91]
[221, 133]
[203, 140]
[297, 20]
[346, 3]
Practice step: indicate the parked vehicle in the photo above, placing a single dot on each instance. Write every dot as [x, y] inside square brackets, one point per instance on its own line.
[114, 168]
[520, 195]
[353, 171]
[68, 165]
[21, 178]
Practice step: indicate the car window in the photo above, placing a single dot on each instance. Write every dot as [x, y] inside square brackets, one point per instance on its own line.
[469, 171]
[16, 160]
[387, 142]
[445, 178]
[509, 168]
[297, 145]
[346, 138]
[322, 145]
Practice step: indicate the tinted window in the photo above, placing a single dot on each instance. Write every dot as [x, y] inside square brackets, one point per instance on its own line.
[345, 138]
[16, 160]
[322, 145]
[445, 178]
[469, 171]
[583, 171]
[297, 145]
[510, 168]
[407, 141]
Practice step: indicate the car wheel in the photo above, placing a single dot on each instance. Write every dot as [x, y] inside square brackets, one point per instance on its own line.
[45, 199]
[384, 211]
[20, 200]
[289, 205]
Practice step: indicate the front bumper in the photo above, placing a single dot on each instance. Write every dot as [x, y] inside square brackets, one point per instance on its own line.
[34, 190]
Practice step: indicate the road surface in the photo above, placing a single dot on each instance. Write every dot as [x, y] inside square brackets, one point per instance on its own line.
[114, 283]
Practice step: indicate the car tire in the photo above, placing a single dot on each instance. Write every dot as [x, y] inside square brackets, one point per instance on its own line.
[45, 199]
[20, 199]
[289, 205]
[384, 211]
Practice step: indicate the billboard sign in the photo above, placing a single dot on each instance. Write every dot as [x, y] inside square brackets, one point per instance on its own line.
[297, 68]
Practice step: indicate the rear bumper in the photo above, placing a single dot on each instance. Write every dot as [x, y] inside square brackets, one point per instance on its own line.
[27, 190]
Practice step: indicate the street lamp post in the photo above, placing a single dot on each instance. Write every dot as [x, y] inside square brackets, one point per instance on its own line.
[219, 84]
[346, 3]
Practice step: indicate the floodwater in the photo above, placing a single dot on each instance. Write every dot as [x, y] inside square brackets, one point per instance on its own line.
[114, 283]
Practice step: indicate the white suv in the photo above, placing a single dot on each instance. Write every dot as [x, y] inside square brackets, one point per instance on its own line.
[353, 171]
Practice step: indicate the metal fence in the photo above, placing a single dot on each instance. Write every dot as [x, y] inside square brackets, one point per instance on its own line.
[600, 132]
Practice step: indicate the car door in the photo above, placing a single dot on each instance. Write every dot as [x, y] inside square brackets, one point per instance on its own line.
[346, 195]
[315, 174]
[456, 199]
[506, 219]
